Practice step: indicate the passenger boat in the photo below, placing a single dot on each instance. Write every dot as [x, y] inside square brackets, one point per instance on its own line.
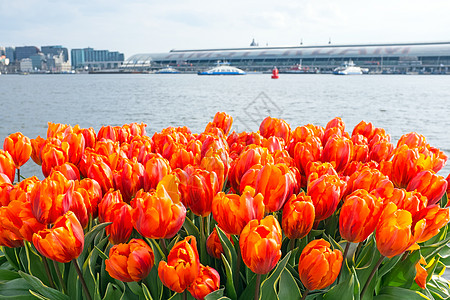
[348, 68]
[298, 69]
[167, 70]
[223, 69]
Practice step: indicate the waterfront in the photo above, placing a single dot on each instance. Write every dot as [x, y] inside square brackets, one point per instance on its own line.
[400, 104]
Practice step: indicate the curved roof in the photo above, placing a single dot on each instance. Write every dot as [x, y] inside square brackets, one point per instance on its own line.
[297, 52]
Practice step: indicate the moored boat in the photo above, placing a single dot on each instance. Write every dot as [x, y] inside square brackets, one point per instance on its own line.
[168, 70]
[223, 69]
[348, 68]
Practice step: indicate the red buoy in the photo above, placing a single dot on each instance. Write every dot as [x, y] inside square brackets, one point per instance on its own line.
[275, 73]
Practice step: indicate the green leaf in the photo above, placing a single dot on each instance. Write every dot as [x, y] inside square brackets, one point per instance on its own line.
[268, 286]
[395, 293]
[388, 265]
[42, 289]
[6, 275]
[228, 248]
[229, 285]
[112, 292]
[33, 263]
[364, 273]
[216, 295]
[146, 292]
[89, 239]
[287, 287]
[11, 255]
[191, 229]
[16, 289]
[444, 200]
[403, 274]
[348, 289]
[365, 258]
[249, 291]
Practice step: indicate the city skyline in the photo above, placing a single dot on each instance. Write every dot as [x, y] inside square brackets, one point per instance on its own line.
[140, 26]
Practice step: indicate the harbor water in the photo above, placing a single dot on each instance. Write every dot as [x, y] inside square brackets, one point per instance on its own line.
[398, 103]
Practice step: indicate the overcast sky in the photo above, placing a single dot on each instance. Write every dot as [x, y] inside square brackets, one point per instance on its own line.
[148, 26]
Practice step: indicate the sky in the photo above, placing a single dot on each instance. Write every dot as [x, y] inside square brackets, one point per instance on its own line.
[150, 26]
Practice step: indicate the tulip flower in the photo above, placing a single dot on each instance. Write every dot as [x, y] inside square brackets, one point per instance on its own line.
[53, 155]
[129, 179]
[396, 232]
[140, 147]
[159, 214]
[182, 267]
[7, 165]
[428, 184]
[207, 282]
[298, 216]
[120, 229]
[92, 194]
[308, 151]
[101, 172]
[232, 212]
[63, 242]
[319, 266]
[213, 244]
[223, 121]
[276, 183]
[381, 151]
[10, 235]
[69, 170]
[19, 146]
[249, 178]
[57, 130]
[359, 216]
[37, 144]
[275, 127]
[107, 132]
[365, 129]
[130, 261]
[155, 169]
[421, 273]
[51, 198]
[78, 207]
[325, 193]
[198, 189]
[248, 158]
[435, 218]
[104, 207]
[260, 244]
[407, 163]
[369, 179]
[5, 189]
[338, 151]
[90, 137]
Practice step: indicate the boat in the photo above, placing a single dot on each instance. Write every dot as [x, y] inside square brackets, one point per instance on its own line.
[348, 68]
[168, 70]
[223, 69]
[298, 69]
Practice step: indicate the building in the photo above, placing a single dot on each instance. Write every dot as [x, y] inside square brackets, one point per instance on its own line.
[57, 64]
[10, 54]
[386, 58]
[90, 59]
[38, 62]
[26, 65]
[25, 52]
[51, 51]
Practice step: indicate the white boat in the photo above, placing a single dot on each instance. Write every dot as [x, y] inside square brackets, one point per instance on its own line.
[348, 68]
[167, 70]
[223, 69]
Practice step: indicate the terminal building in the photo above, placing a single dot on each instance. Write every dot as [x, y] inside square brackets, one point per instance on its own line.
[401, 58]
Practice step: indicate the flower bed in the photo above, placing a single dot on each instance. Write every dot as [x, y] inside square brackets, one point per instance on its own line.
[309, 213]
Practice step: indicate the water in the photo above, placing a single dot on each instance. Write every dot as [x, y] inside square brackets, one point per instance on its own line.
[398, 103]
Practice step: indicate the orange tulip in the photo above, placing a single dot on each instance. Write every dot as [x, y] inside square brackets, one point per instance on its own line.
[325, 193]
[182, 158]
[213, 244]
[53, 155]
[301, 134]
[90, 138]
[308, 151]
[260, 244]
[101, 172]
[155, 169]
[182, 267]
[232, 212]
[412, 140]
[319, 266]
[20, 191]
[421, 273]
[212, 162]
[413, 202]
[239, 142]
[63, 242]
[37, 144]
[104, 207]
[69, 170]
[76, 147]
[159, 214]
[107, 132]
[57, 130]
[369, 179]
[407, 163]
[275, 127]
[78, 207]
[276, 183]
[131, 261]
[435, 218]
[223, 121]
[248, 158]
[140, 147]
[51, 198]
[317, 169]
[10, 235]
[360, 148]
[396, 232]
[338, 151]
[5, 189]
[208, 281]
[365, 129]
[19, 146]
[249, 177]
[120, 229]
[198, 189]
[7, 165]
[129, 179]
[428, 184]
[380, 151]
[298, 216]
[359, 216]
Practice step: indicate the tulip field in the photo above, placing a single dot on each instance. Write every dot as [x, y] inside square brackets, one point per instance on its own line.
[285, 213]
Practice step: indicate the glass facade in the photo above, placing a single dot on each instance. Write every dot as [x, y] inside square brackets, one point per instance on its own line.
[96, 59]
[55, 51]
[25, 52]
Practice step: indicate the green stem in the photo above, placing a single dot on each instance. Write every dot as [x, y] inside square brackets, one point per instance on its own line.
[371, 276]
[257, 286]
[83, 283]
[343, 262]
[305, 294]
[61, 281]
[291, 244]
[162, 243]
[18, 175]
[184, 295]
[358, 249]
[47, 271]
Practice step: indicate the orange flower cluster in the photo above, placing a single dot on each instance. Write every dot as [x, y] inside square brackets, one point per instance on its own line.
[310, 173]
